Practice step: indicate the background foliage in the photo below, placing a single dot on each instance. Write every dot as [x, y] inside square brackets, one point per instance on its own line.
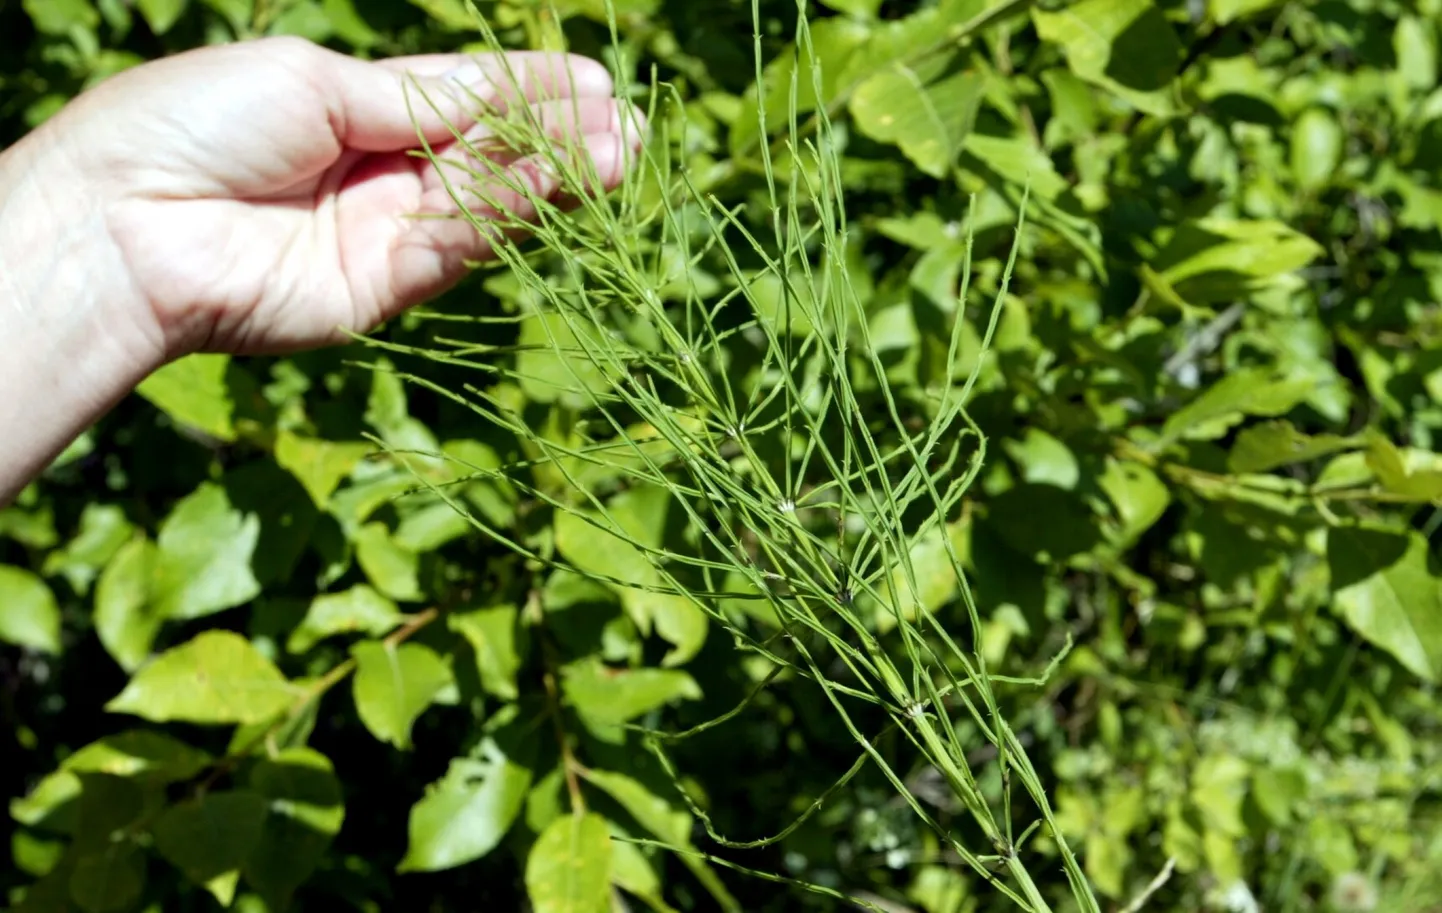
[246, 666]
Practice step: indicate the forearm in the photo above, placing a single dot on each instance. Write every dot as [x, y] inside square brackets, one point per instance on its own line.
[66, 355]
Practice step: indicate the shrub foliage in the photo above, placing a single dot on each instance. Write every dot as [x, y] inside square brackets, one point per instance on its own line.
[982, 461]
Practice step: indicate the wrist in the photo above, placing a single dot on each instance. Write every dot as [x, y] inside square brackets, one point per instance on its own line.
[71, 343]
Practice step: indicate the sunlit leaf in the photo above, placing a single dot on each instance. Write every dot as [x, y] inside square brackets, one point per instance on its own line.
[191, 390]
[391, 568]
[493, 636]
[160, 15]
[320, 465]
[929, 122]
[568, 868]
[1278, 443]
[464, 815]
[218, 677]
[1125, 46]
[203, 554]
[1384, 586]
[358, 609]
[103, 530]
[606, 697]
[29, 615]
[395, 684]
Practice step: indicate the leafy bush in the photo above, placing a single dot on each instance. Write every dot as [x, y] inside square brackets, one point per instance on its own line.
[987, 465]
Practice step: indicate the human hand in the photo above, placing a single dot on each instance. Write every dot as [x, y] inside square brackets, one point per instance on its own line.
[259, 194]
[252, 198]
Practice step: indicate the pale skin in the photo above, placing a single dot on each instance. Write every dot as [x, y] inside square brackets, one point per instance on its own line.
[254, 198]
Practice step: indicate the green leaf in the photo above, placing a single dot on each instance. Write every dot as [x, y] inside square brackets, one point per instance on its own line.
[1402, 475]
[395, 684]
[1316, 148]
[204, 549]
[1020, 161]
[932, 572]
[1225, 11]
[568, 870]
[917, 37]
[149, 756]
[1140, 497]
[553, 365]
[388, 412]
[33, 529]
[110, 880]
[218, 677]
[349, 26]
[303, 18]
[464, 815]
[103, 530]
[1249, 391]
[606, 697]
[1043, 521]
[833, 41]
[1415, 44]
[451, 14]
[29, 615]
[861, 9]
[1279, 792]
[1383, 584]
[430, 527]
[1044, 459]
[358, 609]
[110, 809]
[1220, 259]
[669, 824]
[1125, 46]
[495, 498]
[58, 17]
[632, 871]
[261, 490]
[1272, 444]
[392, 569]
[640, 513]
[928, 122]
[210, 837]
[492, 634]
[192, 390]
[236, 12]
[160, 15]
[141, 753]
[124, 618]
[319, 465]
[304, 813]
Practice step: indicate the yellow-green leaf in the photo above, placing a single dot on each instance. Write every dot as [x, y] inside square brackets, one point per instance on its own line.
[193, 391]
[568, 870]
[29, 615]
[218, 677]
[394, 684]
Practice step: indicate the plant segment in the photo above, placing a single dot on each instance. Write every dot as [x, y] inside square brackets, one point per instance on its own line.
[718, 366]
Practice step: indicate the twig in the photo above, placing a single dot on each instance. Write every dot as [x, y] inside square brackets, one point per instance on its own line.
[569, 764]
[1162, 878]
[228, 763]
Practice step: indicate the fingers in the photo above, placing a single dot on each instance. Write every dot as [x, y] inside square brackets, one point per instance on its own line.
[563, 123]
[504, 79]
[380, 107]
[434, 252]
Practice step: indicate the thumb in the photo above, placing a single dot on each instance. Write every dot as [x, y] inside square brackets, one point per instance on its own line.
[382, 106]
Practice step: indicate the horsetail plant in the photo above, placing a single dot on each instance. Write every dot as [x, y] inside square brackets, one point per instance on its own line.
[814, 493]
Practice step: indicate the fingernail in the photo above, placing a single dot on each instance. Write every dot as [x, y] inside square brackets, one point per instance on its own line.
[470, 75]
